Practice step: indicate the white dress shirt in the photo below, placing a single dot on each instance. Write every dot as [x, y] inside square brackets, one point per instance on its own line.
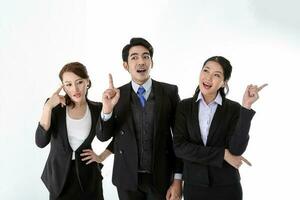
[206, 114]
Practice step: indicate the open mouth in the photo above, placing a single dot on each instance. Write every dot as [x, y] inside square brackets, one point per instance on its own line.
[206, 86]
[141, 70]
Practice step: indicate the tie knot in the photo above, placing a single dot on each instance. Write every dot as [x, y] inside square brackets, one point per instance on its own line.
[141, 90]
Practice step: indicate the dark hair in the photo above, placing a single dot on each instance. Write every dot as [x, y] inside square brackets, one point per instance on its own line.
[78, 69]
[227, 69]
[136, 42]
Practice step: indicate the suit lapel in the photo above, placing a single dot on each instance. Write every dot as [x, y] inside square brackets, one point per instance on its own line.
[94, 118]
[123, 108]
[215, 124]
[159, 100]
[195, 120]
[65, 138]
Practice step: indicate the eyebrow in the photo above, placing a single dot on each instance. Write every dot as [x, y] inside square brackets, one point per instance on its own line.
[75, 80]
[206, 67]
[219, 72]
[135, 54]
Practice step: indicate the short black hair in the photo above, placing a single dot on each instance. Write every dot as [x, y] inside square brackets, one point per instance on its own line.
[136, 42]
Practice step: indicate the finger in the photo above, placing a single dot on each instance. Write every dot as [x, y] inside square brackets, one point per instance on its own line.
[246, 161]
[117, 93]
[168, 196]
[85, 154]
[86, 158]
[86, 150]
[111, 82]
[261, 87]
[88, 162]
[62, 100]
[59, 89]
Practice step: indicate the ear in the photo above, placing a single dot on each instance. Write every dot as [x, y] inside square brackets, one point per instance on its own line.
[88, 85]
[151, 64]
[125, 65]
[224, 84]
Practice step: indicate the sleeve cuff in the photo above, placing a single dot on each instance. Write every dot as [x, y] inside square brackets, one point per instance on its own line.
[178, 176]
[105, 117]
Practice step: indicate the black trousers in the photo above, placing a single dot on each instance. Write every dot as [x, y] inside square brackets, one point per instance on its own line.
[72, 189]
[145, 191]
[225, 192]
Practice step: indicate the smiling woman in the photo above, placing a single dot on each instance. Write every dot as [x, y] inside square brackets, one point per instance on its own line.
[68, 123]
[211, 134]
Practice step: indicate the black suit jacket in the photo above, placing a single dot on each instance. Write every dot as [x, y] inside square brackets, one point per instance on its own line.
[121, 127]
[60, 156]
[205, 165]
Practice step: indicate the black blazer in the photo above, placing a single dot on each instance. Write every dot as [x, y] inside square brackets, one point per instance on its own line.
[121, 127]
[60, 156]
[205, 165]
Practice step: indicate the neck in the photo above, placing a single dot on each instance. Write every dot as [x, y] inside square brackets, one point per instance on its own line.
[140, 82]
[209, 98]
[81, 104]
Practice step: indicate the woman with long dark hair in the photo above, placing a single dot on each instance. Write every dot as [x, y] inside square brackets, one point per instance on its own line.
[211, 134]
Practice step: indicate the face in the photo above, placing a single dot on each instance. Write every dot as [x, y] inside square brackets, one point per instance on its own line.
[139, 64]
[75, 86]
[211, 79]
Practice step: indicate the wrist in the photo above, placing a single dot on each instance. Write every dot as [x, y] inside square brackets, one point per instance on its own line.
[247, 106]
[48, 106]
[106, 110]
[177, 182]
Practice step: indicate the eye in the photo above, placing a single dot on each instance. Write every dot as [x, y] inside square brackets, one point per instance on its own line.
[205, 70]
[68, 84]
[147, 57]
[218, 75]
[134, 58]
[80, 82]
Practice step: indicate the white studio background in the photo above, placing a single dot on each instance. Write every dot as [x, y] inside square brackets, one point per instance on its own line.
[260, 38]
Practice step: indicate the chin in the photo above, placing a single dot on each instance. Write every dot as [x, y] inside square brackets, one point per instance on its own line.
[76, 100]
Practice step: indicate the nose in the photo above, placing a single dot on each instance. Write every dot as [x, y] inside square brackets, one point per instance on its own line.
[141, 61]
[208, 77]
[75, 88]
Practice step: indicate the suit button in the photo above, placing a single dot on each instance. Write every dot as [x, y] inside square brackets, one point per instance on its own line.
[122, 132]
[121, 152]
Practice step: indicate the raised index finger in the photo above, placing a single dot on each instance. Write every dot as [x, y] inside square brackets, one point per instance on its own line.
[111, 82]
[59, 89]
[261, 87]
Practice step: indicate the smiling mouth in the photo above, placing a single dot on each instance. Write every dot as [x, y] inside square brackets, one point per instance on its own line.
[206, 86]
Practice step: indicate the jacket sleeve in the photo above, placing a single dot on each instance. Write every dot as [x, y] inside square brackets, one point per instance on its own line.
[110, 146]
[239, 135]
[105, 129]
[175, 100]
[189, 150]
[43, 137]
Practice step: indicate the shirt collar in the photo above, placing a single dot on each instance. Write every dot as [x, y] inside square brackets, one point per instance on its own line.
[217, 100]
[147, 85]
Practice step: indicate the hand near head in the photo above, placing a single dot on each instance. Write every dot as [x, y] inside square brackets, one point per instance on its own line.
[251, 95]
[110, 97]
[56, 99]
[235, 161]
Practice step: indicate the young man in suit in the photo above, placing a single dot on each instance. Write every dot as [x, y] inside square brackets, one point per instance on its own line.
[139, 116]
